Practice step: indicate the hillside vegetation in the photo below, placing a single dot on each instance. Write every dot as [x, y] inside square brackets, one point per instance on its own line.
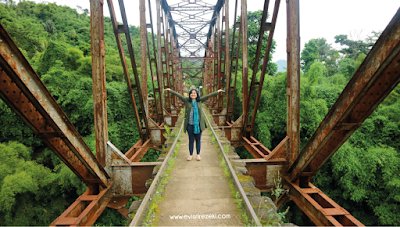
[36, 187]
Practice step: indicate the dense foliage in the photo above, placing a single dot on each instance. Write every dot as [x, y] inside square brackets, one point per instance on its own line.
[364, 174]
[36, 187]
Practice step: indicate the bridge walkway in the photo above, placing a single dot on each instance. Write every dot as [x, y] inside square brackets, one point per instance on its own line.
[198, 188]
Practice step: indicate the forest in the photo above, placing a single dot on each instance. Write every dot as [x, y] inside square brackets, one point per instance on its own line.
[36, 187]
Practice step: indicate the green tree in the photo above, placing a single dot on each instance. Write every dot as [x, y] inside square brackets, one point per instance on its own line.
[354, 47]
[347, 68]
[359, 60]
[309, 54]
[56, 51]
[29, 192]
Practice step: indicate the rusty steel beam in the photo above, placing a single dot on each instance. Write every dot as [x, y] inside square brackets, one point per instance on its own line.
[143, 55]
[212, 65]
[167, 74]
[376, 77]
[23, 91]
[193, 58]
[130, 180]
[85, 210]
[193, 8]
[99, 79]
[123, 60]
[264, 172]
[119, 203]
[227, 54]
[293, 79]
[219, 75]
[181, 69]
[257, 85]
[258, 150]
[129, 175]
[141, 90]
[249, 130]
[154, 109]
[230, 100]
[245, 62]
[167, 62]
[124, 28]
[132, 88]
[193, 22]
[158, 63]
[194, 74]
[171, 55]
[322, 210]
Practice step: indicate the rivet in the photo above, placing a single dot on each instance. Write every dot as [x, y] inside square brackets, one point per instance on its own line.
[1, 40]
[22, 67]
[12, 55]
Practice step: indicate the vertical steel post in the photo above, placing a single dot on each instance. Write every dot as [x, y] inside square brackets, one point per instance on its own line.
[172, 61]
[99, 79]
[159, 55]
[293, 78]
[166, 52]
[231, 90]
[245, 62]
[159, 101]
[143, 55]
[227, 52]
[212, 63]
[219, 66]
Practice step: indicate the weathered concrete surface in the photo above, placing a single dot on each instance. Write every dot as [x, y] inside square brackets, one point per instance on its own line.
[198, 188]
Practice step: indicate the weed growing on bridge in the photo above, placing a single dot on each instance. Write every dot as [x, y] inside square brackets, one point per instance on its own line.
[226, 148]
[167, 131]
[277, 218]
[237, 197]
[151, 216]
[236, 194]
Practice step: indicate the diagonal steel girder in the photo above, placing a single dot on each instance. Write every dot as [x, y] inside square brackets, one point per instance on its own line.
[376, 77]
[256, 85]
[23, 91]
[132, 88]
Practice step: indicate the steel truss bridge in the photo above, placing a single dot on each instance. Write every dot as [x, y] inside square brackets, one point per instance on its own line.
[193, 41]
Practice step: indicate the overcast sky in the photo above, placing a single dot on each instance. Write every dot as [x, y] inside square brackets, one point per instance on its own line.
[318, 18]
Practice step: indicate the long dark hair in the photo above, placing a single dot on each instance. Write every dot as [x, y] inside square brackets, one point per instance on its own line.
[198, 96]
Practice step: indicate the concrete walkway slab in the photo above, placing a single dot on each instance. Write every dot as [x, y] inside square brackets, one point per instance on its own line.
[198, 188]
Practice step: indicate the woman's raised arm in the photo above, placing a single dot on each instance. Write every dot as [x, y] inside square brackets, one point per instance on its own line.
[176, 94]
[211, 95]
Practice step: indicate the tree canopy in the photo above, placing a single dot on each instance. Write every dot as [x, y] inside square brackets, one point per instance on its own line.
[36, 187]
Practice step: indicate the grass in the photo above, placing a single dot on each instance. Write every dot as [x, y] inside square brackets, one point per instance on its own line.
[236, 195]
[274, 219]
[151, 216]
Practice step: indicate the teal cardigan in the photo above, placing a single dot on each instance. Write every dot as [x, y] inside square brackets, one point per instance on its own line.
[189, 105]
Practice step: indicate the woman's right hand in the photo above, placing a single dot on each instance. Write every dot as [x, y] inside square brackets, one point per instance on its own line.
[167, 89]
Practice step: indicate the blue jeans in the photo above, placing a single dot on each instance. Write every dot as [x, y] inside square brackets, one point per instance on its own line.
[192, 137]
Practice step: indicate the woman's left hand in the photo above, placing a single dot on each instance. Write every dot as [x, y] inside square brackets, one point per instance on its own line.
[220, 90]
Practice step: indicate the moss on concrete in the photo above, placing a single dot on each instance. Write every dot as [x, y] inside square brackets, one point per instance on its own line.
[252, 191]
[244, 178]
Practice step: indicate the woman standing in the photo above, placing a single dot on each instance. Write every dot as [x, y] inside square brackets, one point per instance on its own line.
[194, 120]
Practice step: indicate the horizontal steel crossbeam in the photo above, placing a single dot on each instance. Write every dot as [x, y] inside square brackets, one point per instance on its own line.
[85, 210]
[322, 210]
